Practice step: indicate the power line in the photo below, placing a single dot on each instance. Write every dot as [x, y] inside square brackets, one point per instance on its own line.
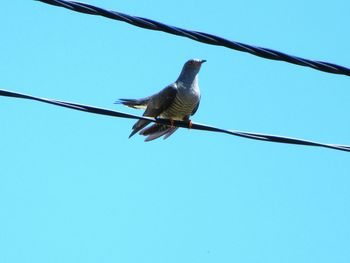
[181, 124]
[200, 36]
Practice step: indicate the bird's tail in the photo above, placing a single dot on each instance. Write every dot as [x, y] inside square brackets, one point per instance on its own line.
[157, 130]
[134, 103]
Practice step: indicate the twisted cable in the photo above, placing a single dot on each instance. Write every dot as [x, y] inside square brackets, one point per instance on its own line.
[200, 36]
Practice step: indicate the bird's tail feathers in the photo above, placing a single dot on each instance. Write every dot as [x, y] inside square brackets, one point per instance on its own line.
[170, 132]
[157, 130]
[134, 103]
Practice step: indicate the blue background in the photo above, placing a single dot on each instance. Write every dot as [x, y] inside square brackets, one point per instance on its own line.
[74, 188]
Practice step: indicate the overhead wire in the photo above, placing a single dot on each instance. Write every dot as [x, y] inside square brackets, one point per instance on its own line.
[203, 37]
[181, 124]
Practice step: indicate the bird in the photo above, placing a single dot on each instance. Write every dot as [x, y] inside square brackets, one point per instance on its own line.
[177, 101]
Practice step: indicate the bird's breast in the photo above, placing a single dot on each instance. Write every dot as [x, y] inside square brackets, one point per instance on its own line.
[183, 104]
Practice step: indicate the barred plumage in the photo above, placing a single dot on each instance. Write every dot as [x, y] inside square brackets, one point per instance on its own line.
[180, 108]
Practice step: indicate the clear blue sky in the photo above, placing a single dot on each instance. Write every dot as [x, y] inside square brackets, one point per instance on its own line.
[74, 188]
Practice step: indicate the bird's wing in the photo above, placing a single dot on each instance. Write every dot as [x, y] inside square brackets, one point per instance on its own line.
[156, 105]
[161, 101]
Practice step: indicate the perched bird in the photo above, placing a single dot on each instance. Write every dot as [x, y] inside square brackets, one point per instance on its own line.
[178, 101]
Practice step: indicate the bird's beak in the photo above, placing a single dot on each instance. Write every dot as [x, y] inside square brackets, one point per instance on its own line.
[203, 60]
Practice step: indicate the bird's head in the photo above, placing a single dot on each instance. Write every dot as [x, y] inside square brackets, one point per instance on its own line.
[194, 64]
[190, 70]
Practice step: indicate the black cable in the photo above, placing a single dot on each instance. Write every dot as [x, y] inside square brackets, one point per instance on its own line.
[200, 36]
[182, 124]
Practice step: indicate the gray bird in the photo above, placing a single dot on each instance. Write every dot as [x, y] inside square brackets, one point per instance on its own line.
[178, 101]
